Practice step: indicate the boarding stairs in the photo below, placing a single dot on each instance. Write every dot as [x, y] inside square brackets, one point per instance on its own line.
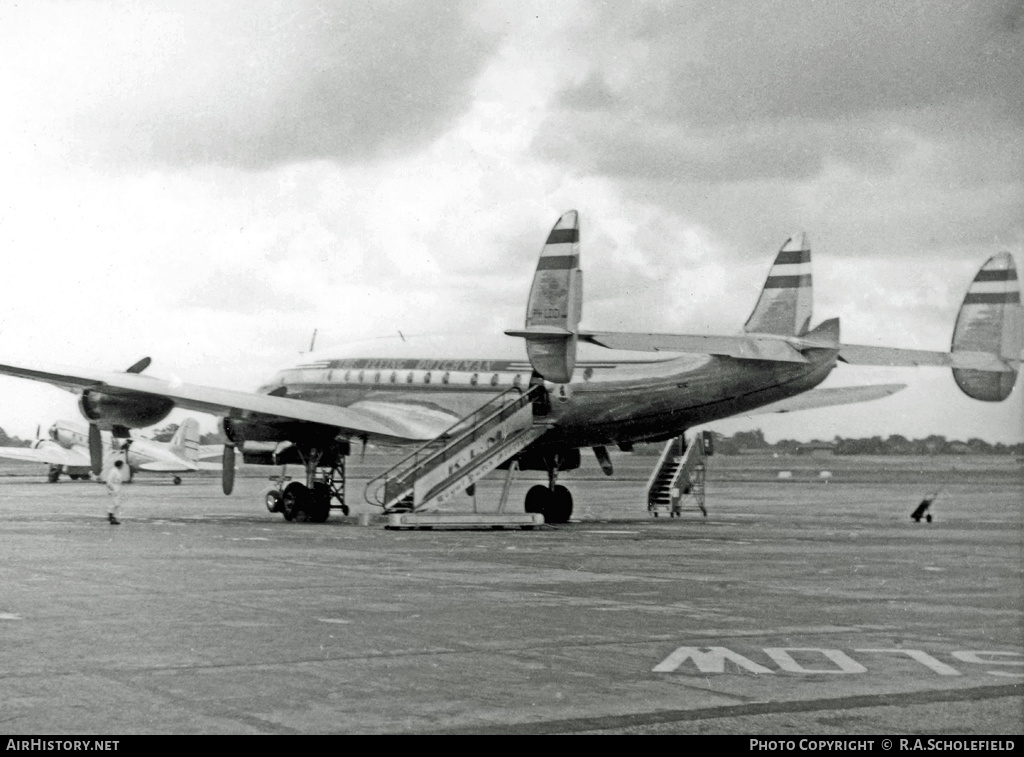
[463, 454]
[680, 470]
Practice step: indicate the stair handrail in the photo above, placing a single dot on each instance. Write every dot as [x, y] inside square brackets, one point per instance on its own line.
[447, 438]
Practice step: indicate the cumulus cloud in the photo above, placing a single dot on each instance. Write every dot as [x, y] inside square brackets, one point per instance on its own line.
[733, 114]
[250, 83]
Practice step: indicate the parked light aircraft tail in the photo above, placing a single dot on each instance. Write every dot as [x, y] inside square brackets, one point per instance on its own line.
[66, 451]
[465, 417]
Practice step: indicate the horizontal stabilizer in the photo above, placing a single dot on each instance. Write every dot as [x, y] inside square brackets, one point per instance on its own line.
[987, 339]
[839, 395]
[745, 347]
[862, 354]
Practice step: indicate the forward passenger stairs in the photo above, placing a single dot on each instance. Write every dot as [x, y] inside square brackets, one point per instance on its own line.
[680, 470]
[460, 456]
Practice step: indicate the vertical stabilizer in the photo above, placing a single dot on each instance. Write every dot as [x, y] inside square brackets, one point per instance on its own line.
[991, 320]
[785, 304]
[185, 442]
[555, 304]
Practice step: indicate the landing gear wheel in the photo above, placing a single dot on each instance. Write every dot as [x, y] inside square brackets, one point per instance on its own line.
[559, 508]
[294, 501]
[176, 480]
[537, 499]
[319, 506]
[273, 501]
[54, 475]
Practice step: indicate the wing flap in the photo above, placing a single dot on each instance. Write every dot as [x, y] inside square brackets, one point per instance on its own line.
[748, 347]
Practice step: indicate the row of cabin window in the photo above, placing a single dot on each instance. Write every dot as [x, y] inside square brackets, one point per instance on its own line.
[474, 380]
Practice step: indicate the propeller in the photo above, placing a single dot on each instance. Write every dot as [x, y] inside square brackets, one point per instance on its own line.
[227, 474]
[95, 449]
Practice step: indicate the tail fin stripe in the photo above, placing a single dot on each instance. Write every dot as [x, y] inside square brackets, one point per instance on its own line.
[558, 262]
[991, 298]
[787, 282]
[1004, 275]
[793, 257]
[564, 236]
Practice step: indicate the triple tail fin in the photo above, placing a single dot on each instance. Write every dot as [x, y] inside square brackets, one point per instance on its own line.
[786, 301]
[991, 320]
[555, 304]
[185, 442]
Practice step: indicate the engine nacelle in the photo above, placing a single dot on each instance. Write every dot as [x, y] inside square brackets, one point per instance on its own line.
[128, 410]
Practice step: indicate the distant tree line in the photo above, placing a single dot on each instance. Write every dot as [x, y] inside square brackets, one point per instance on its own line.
[13, 441]
[876, 445]
[166, 433]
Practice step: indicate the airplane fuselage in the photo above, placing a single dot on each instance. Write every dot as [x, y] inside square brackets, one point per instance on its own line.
[604, 403]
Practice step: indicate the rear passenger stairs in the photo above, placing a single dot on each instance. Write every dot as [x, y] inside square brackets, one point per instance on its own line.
[460, 456]
[680, 470]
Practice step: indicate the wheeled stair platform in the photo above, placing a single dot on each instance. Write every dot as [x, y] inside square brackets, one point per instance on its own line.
[468, 521]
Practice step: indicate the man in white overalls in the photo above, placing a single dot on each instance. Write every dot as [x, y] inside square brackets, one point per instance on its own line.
[115, 479]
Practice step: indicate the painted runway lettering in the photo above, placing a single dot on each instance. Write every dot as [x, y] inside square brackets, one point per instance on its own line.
[821, 661]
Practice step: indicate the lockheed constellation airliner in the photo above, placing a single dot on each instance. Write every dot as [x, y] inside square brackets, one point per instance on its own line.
[464, 418]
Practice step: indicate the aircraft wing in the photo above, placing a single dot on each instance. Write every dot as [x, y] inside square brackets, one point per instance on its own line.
[169, 466]
[48, 453]
[746, 346]
[860, 354]
[838, 395]
[384, 421]
[210, 451]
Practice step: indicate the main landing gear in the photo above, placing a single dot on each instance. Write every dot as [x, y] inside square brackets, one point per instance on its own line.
[553, 501]
[311, 501]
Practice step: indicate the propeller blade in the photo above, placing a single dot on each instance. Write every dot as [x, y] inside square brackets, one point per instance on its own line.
[95, 449]
[227, 475]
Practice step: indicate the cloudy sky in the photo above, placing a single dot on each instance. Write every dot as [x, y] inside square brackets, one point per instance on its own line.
[206, 183]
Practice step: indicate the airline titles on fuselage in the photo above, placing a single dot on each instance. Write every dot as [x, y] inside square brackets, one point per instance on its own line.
[472, 373]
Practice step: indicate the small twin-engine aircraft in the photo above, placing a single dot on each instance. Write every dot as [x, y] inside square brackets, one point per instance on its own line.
[67, 451]
[466, 417]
